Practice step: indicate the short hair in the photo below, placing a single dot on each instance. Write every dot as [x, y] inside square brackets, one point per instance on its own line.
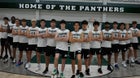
[96, 23]
[122, 24]
[63, 21]
[76, 22]
[107, 23]
[134, 22]
[23, 20]
[6, 18]
[42, 20]
[13, 17]
[115, 22]
[84, 22]
[53, 20]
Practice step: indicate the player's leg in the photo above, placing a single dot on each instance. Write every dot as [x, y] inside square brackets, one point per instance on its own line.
[124, 55]
[135, 46]
[2, 48]
[38, 55]
[109, 54]
[99, 61]
[15, 45]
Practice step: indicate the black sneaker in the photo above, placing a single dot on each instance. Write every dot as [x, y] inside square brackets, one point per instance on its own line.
[137, 62]
[5, 57]
[11, 58]
[100, 70]
[81, 75]
[73, 76]
[127, 61]
[87, 72]
[77, 72]
[45, 71]
[0, 57]
[109, 68]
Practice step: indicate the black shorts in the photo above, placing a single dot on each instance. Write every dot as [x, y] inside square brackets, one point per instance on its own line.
[73, 55]
[123, 48]
[15, 44]
[32, 47]
[64, 54]
[23, 46]
[128, 45]
[85, 53]
[95, 50]
[10, 40]
[115, 48]
[41, 49]
[135, 45]
[3, 41]
[106, 51]
[50, 51]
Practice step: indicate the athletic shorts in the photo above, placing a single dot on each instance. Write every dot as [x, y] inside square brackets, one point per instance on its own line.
[106, 51]
[64, 54]
[10, 40]
[135, 45]
[15, 44]
[73, 55]
[94, 51]
[123, 48]
[85, 53]
[128, 45]
[41, 49]
[32, 47]
[115, 48]
[3, 41]
[50, 51]
[23, 46]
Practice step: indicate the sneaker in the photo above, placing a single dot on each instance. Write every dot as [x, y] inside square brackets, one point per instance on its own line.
[77, 72]
[0, 57]
[81, 75]
[87, 72]
[137, 62]
[100, 70]
[38, 68]
[14, 61]
[124, 64]
[62, 75]
[132, 60]
[45, 71]
[11, 58]
[27, 65]
[73, 76]
[55, 71]
[19, 63]
[6, 56]
[116, 66]
[109, 68]
[127, 61]
[5, 60]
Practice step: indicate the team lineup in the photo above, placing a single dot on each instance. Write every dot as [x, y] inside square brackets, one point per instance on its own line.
[84, 43]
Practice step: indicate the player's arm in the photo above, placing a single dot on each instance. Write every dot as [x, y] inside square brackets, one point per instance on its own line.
[65, 39]
[28, 34]
[88, 39]
[127, 36]
[100, 38]
[81, 38]
[57, 38]
[1, 28]
[14, 32]
[71, 39]
[104, 38]
[20, 32]
[110, 38]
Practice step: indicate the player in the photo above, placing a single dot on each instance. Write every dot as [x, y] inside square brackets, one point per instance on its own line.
[61, 38]
[32, 41]
[95, 47]
[41, 42]
[115, 43]
[76, 38]
[15, 31]
[23, 41]
[106, 44]
[51, 43]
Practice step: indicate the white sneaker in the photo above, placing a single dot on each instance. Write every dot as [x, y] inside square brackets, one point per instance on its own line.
[27, 65]
[38, 68]
[132, 60]
[124, 64]
[14, 61]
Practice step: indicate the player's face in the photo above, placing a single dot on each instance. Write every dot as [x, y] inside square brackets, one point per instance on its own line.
[5, 21]
[122, 27]
[115, 26]
[76, 26]
[17, 22]
[134, 25]
[33, 23]
[62, 26]
[96, 26]
[24, 23]
[42, 23]
[53, 24]
[84, 26]
[127, 26]
[107, 26]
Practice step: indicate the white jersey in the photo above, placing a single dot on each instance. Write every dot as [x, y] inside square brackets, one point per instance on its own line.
[51, 41]
[23, 39]
[4, 34]
[115, 34]
[42, 41]
[106, 34]
[85, 45]
[32, 41]
[123, 35]
[11, 26]
[61, 44]
[96, 44]
[134, 39]
[16, 37]
[75, 46]
[129, 34]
